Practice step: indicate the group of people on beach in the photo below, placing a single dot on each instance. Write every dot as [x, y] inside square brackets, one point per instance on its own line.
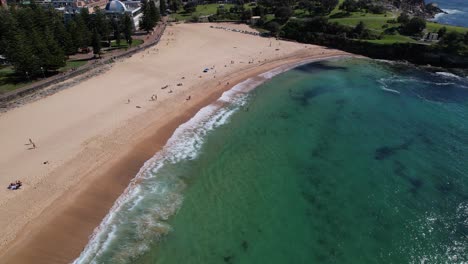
[15, 185]
[238, 30]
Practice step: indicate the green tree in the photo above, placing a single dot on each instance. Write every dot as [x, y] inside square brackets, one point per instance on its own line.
[403, 18]
[128, 28]
[415, 26]
[273, 27]
[328, 5]
[101, 24]
[62, 36]
[453, 42]
[86, 17]
[20, 53]
[175, 5]
[246, 15]
[96, 43]
[7, 24]
[117, 31]
[79, 33]
[146, 21]
[283, 13]
[442, 32]
[359, 29]
[162, 7]
[190, 7]
[154, 12]
[349, 6]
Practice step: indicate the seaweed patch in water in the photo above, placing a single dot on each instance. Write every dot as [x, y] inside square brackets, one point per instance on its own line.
[387, 151]
[228, 259]
[384, 152]
[245, 245]
[318, 67]
[400, 170]
[426, 140]
[303, 98]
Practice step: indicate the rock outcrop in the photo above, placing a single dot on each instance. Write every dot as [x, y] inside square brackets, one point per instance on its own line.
[417, 7]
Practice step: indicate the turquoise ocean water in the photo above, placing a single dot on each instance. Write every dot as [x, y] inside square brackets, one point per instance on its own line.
[340, 161]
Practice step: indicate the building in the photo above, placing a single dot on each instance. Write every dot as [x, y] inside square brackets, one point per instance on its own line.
[254, 20]
[430, 37]
[116, 8]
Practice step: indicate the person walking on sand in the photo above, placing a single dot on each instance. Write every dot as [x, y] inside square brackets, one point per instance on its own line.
[33, 145]
[188, 98]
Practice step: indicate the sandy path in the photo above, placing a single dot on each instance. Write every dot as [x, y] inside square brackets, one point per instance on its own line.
[93, 141]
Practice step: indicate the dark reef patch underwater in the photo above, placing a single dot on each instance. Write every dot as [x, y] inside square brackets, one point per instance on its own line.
[340, 161]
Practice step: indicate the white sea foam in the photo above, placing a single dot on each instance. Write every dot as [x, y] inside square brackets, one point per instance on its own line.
[452, 11]
[430, 226]
[447, 13]
[390, 90]
[449, 75]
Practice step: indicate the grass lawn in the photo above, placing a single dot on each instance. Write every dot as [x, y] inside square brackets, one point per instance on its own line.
[372, 21]
[390, 39]
[124, 44]
[434, 27]
[202, 10]
[8, 81]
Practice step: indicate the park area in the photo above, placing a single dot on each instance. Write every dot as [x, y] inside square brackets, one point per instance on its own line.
[9, 81]
[383, 25]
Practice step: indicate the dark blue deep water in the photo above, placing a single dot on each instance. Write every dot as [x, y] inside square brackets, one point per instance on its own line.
[457, 12]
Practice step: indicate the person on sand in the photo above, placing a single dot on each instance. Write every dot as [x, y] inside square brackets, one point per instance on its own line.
[15, 186]
[188, 98]
[33, 145]
[128, 101]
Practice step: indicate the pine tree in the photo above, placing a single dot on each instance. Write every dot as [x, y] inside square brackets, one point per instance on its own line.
[86, 17]
[146, 22]
[55, 54]
[101, 24]
[154, 13]
[62, 36]
[117, 33]
[96, 43]
[162, 7]
[128, 28]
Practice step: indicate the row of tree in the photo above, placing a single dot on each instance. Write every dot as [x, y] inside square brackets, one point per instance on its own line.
[36, 40]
